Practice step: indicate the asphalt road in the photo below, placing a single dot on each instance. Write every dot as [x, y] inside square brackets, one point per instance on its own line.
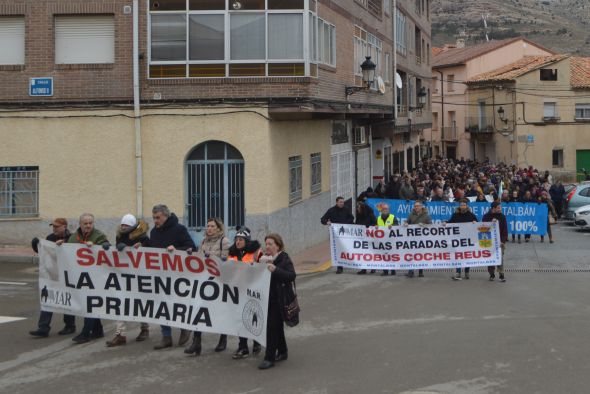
[359, 334]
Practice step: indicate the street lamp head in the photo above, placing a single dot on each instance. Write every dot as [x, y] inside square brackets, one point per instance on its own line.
[368, 70]
[422, 96]
[501, 113]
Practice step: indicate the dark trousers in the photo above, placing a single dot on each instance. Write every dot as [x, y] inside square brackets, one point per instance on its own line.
[275, 333]
[45, 321]
[244, 343]
[458, 270]
[92, 327]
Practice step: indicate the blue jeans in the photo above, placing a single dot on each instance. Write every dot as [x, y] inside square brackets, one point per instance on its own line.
[466, 270]
[166, 331]
[45, 321]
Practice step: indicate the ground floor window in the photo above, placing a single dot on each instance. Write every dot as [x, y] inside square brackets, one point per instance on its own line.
[557, 158]
[295, 179]
[316, 173]
[19, 192]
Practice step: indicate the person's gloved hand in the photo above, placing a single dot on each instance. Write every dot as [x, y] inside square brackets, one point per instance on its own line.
[120, 246]
[207, 255]
[106, 246]
[189, 251]
[224, 258]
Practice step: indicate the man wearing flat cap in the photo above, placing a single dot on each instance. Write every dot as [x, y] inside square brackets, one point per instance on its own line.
[60, 232]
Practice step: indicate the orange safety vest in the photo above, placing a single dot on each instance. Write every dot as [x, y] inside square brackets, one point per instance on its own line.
[248, 257]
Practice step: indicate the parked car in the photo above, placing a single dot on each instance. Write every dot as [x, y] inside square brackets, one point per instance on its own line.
[576, 198]
[582, 217]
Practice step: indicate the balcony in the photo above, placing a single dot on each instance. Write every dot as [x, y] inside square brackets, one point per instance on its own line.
[478, 126]
[449, 133]
[418, 59]
[374, 6]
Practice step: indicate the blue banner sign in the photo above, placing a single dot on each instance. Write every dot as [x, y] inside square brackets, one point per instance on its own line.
[522, 218]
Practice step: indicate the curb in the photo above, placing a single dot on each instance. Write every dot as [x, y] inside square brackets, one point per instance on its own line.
[322, 268]
[15, 258]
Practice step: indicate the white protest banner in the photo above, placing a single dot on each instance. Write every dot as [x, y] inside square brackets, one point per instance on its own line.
[154, 286]
[416, 247]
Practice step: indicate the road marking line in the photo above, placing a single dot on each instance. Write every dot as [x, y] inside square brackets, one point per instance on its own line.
[14, 283]
[8, 319]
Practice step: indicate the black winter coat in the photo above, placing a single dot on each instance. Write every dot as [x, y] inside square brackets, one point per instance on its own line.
[51, 237]
[137, 235]
[171, 233]
[284, 274]
[251, 247]
[338, 216]
[503, 224]
[367, 217]
[459, 217]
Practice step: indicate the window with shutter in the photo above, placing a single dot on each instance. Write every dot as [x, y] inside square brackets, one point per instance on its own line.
[12, 40]
[84, 39]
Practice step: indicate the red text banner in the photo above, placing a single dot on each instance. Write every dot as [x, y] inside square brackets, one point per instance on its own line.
[416, 247]
[155, 286]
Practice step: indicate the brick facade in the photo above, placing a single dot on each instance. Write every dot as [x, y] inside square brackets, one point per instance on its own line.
[113, 82]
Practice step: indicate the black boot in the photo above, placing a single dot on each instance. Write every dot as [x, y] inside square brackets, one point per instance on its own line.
[222, 343]
[361, 272]
[194, 347]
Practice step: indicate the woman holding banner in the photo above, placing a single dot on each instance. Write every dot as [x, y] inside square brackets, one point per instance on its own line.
[247, 251]
[283, 274]
[217, 244]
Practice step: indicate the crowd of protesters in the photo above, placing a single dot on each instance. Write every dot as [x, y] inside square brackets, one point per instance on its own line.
[450, 180]
[459, 181]
[170, 235]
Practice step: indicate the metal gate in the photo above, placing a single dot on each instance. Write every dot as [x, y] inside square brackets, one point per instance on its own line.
[215, 185]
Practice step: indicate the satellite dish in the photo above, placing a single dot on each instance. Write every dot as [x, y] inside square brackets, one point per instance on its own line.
[398, 81]
[380, 85]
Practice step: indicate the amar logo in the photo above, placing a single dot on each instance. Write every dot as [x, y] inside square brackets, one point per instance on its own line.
[484, 235]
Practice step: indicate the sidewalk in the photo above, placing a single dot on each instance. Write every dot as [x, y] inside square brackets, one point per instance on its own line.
[309, 261]
[313, 260]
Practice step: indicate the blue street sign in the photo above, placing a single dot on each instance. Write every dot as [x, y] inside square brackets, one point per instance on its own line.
[41, 86]
[530, 138]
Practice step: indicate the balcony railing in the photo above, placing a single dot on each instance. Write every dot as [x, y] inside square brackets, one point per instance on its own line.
[449, 133]
[402, 111]
[478, 125]
[375, 6]
[418, 59]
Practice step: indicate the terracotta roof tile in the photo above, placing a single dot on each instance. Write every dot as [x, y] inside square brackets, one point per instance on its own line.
[516, 69]
[456, 56]
[580, 72]
[436, 50]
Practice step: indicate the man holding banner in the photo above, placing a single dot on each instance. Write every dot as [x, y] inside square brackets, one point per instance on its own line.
[462, 215]
[88, 235]
[338, 214]
[419, 215]
[386, 219]
[169, 234]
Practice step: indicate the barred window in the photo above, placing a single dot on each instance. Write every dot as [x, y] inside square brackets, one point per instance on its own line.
[19, 192]
[295, 179]
[316, 173]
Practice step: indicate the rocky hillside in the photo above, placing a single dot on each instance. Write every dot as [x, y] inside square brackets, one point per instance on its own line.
[561, 25]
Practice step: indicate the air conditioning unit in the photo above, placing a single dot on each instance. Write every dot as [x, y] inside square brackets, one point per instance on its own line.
[360, 137]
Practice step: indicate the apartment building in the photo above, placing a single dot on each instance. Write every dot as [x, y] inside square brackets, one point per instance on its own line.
[401, 150]
[453, 132]
[537, 111]
[254, 111]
